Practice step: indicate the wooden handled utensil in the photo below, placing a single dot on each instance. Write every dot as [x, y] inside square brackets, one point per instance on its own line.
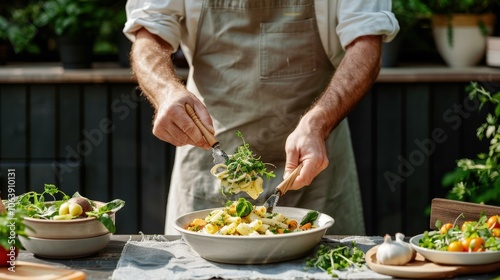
[217, 153]
[281, 189]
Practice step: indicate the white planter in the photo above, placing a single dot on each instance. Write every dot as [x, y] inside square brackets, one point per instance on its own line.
[468, 44]
[493, 52]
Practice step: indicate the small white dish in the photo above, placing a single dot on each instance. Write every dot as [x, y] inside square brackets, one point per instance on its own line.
[65, 248]
[455, 258]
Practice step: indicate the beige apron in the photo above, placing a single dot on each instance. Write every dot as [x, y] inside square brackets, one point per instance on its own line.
[257, 66]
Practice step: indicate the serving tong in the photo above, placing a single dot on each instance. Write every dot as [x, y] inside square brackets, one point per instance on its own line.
[281, 189]
[218, 154]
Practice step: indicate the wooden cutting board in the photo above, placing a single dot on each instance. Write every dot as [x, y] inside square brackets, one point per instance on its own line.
[421, 268]
[34, 271]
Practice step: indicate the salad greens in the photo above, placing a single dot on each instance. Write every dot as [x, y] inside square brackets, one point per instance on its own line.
[34, 205]
[449, 236]
[334, 258]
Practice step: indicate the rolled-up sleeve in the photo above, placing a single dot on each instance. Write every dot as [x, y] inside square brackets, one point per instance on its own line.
[162, 18]
[365, 17]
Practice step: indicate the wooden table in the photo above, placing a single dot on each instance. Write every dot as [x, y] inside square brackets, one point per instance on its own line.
[101, 265]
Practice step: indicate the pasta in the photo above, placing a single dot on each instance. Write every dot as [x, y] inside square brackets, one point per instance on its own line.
[225, 221]
[243, 183]
[242, 172]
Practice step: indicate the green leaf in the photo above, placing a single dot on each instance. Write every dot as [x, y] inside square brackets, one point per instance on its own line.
[497, 110]
[243, 207]
[106, 220]
[310, 217]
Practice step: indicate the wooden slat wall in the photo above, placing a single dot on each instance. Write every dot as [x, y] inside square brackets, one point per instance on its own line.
[96, 139]
[92, 138]
[412, 133]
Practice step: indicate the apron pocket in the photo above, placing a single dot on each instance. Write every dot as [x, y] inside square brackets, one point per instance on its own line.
[298, 58]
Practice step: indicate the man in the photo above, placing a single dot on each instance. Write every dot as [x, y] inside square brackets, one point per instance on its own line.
[284, 73]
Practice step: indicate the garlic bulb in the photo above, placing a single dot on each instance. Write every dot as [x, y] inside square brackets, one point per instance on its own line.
[395, 252]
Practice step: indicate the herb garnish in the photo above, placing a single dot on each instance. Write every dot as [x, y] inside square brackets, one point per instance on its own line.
[243, 161]
[334, 258]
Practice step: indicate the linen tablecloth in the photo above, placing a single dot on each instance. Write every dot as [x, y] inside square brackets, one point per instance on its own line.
[155, 257]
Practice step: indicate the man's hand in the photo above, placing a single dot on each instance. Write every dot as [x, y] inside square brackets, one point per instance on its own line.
[352, 79]
[155, 73]
[306, 146]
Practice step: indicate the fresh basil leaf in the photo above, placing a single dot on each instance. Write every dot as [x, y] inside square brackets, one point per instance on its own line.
[310, 217]
[243, 207]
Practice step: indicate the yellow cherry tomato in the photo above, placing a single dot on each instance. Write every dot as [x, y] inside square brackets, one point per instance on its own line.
[466, 224]
[444, 228]
[455, 246]
[473, 244]
[495, 232]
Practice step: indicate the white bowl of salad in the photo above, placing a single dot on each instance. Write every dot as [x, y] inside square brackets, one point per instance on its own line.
[74, 217]
[251, 236]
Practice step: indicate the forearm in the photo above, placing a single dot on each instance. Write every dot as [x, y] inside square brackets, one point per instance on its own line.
[353, 78]
[153, 68]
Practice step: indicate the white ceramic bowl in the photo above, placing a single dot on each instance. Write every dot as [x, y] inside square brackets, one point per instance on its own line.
[254, 249]
[455, 258]
[66, 229]
[65, 248]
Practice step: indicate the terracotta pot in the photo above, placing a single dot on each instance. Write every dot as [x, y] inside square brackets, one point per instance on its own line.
[459, 38]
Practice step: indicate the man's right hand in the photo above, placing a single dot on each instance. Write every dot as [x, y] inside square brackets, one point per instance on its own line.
[152, 65]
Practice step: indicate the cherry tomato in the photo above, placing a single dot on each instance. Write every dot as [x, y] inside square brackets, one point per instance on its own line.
[495, 232]
[467, 224]
[444, 228]
[473, 244]
[6, 256]
[493, 222]
[455, 246]
[476, 244]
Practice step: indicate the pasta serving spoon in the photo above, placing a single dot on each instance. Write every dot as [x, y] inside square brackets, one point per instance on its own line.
[281, 189]
[217, 153]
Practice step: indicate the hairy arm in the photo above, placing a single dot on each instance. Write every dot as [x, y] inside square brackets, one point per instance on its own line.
[153, 68]
[353, 78]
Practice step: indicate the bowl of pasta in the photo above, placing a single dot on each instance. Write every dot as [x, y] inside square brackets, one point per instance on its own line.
[241, 233]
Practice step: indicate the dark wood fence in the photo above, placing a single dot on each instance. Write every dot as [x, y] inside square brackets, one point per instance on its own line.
[95, 138]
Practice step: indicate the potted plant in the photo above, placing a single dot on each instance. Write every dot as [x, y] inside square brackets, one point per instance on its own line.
[460, 28]
[408, 13]
[478, 180]
[75, 25]
[18, 28]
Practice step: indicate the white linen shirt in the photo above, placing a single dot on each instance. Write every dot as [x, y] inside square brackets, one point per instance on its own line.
[339, 22]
